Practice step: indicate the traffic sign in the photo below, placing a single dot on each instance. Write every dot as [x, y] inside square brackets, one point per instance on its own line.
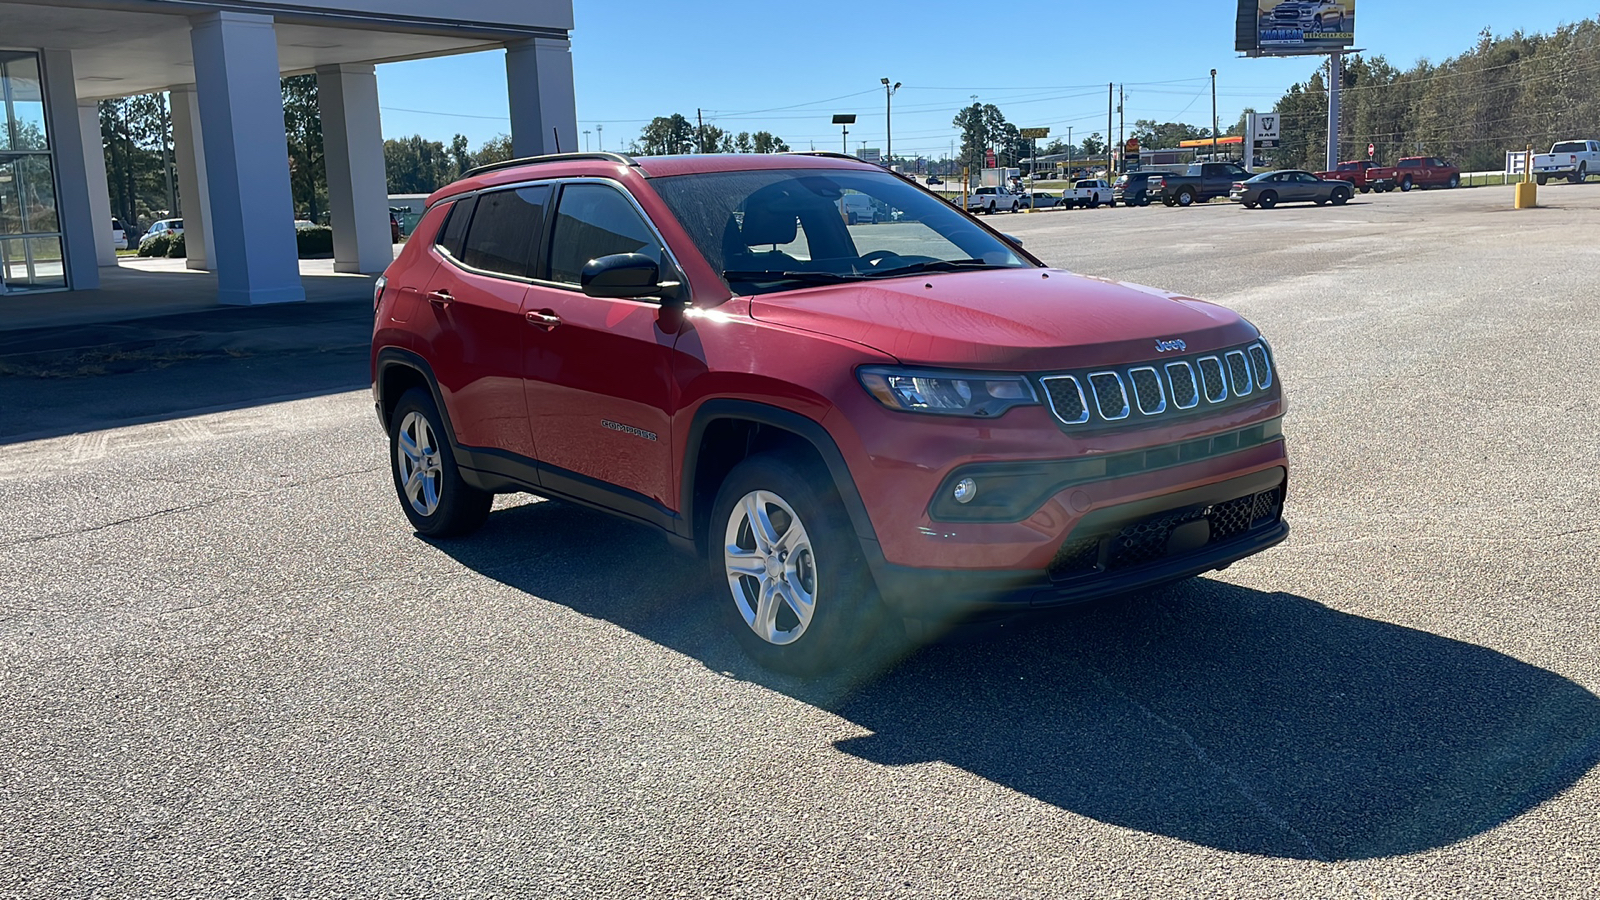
[1032, 134]
[1371, 150]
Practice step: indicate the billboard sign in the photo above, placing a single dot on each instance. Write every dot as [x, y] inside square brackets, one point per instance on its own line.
[1294, 27]
[870, 154]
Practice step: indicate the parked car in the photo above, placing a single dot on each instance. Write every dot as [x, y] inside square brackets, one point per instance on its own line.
[934, 179]
[394, 228]
[1418, 171]
[1088, 193]
[1137, 188]
[857, 209]
[1290, 186]
[1202, 182]
[992, 199]
[160, 227]
[1040, 200]
[1359, 173]
[119, 235]
[849, 427]
[303, 224]
[1572, 160]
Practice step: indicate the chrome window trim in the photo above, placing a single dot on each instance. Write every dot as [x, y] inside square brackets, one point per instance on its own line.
[1263, 378]
[1160, 387]
[622, 189]
[1223, 374]
[1246, 360]
[1052, 400]
[1100, 407]
[1193, 380]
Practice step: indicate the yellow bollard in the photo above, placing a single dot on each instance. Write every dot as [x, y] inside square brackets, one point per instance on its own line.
[1527, 195]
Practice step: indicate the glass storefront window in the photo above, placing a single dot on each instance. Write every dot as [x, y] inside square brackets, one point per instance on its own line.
[30, 224]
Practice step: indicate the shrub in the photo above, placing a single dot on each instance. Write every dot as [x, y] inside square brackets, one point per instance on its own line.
[156, 246]
[176, 248]
[314, 241]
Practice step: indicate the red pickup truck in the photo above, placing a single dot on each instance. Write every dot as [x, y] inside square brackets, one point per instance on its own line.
[1418, 171]
[1359, 173]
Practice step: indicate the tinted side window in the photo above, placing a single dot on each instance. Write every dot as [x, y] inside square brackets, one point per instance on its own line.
[455, 226]
[506, 229]
[595, 220]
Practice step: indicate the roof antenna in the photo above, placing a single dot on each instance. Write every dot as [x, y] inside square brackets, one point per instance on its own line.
[557, 134]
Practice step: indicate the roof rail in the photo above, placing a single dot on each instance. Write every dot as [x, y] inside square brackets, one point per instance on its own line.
[828, 153]
[603, 155]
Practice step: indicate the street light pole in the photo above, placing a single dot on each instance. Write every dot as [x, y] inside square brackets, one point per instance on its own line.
[586, 140]
[888, 121]
[600, 137]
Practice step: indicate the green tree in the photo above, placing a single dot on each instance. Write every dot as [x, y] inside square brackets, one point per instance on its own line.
[495, 149]
[302, 125]
[767, 142]
[666, 135]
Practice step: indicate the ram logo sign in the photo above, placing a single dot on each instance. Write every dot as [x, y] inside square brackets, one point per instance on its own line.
[1294, 27]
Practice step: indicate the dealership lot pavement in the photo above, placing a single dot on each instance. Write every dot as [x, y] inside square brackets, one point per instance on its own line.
[228, 669]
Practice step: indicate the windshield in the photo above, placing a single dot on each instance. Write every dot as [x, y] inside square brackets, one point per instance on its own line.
[774, 230]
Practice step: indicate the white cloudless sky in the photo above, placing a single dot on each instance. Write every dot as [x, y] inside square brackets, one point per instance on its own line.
[787, 68]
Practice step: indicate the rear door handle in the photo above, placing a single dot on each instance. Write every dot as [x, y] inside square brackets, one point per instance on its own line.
[440, 298]
[544, 318]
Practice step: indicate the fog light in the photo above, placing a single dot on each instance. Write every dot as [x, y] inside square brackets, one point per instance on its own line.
[965, 490]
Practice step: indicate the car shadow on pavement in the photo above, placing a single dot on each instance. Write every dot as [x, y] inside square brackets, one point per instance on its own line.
[1254, 722]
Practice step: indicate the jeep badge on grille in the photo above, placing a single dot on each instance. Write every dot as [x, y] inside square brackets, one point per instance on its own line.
[1174, 344]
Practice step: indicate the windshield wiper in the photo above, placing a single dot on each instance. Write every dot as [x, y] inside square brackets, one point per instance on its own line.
[763, 276]
[938, 265]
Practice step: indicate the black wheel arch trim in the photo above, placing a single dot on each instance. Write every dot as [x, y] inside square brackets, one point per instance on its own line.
[809, 429]
[388, 358]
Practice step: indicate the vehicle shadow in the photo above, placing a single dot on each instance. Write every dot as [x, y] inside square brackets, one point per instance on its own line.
[1255, 722]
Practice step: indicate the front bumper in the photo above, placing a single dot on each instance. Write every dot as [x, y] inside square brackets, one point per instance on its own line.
[1111, 551]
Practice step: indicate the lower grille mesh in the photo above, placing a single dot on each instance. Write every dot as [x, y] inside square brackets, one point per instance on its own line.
[1146, 541]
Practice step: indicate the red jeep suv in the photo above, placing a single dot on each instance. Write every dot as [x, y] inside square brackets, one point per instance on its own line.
[912, 418]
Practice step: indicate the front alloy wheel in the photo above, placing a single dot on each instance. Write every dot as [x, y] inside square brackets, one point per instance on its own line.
[772, 568]
[433, 495]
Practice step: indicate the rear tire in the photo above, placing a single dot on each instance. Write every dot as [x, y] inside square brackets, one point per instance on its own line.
[1366, 190]
[1249, 204]
[1094, 202]
[1269, 199]
[1580, 175]
[1339, 197]
[792, 583]
[1168, 201]
[426, 479]
[1540, 180]
[1186, 197]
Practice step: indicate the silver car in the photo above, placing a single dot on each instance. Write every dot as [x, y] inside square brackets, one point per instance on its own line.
[1289, 186]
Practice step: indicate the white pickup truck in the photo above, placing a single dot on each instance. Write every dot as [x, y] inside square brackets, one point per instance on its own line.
[1572, 160]
[1090, 192]
[993, 199]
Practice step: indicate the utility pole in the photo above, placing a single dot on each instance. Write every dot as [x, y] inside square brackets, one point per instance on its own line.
[1213, 115]
[700, 130]
[888, 130]
[586, 140]
[1335, 75]
[600, 137]
[1111, 101]
[1122, 119]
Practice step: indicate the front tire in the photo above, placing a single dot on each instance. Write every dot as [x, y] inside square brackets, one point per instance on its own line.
[426, 479]
[1455, 181]
[792, 583]
[1405, 183]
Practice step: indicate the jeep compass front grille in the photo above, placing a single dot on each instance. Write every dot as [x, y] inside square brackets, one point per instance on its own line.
[1139, 393]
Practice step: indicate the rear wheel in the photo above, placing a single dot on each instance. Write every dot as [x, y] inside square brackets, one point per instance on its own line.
[1540, 179]
[1269, 199]
[1581, 174]
[794, 587]
[1340, 196]
[1366, 190]
[851, 220]
[1094, 202]
[432, 494]
[1249, 204]
[1168, 201]
[1186, 197]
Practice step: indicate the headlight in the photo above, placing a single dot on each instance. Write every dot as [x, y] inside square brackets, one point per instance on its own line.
[946, 393]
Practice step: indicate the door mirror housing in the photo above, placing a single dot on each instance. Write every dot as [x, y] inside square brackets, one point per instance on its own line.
[626, 276]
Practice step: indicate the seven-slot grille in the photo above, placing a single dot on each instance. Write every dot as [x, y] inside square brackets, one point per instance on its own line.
[1137, 392]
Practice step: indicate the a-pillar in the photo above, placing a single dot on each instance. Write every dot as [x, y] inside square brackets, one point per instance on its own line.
[94, 170]
[194, 189]
[358, 187]
[247, 159]
[73, 207]
[544, 108]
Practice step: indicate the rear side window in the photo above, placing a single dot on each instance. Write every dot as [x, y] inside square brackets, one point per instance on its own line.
[505, 230]
[594, 220]
[455, 227]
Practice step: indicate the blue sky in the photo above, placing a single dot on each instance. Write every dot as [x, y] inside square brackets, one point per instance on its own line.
[787, 68]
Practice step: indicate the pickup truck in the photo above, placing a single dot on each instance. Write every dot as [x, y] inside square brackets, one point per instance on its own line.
[989, 199]
[1418, 171]
[1572, 160]
[1090, 192]
[1359, 173]
[1203, 181]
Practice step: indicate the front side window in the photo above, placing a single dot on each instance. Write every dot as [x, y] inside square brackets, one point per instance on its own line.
[595, 220]
[505, 230]
[779, 229]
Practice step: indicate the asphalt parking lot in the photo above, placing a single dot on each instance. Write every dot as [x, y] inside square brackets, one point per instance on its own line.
[227, 667]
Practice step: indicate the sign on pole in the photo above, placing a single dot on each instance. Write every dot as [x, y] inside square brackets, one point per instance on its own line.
[1294, 27]
[1033, 134]
[1267, 128]
[870, 154]
[988, 159]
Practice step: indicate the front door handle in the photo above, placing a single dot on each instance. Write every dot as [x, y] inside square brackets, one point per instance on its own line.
[440, 298]
[544, 318]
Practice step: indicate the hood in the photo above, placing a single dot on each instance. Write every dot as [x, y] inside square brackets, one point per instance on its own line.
[1006, 319]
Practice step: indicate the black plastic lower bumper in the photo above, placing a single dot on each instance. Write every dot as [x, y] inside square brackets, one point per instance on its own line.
[948, 593]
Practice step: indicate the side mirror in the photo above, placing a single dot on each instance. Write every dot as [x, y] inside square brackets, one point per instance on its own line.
[1012, 238]
[628, 276]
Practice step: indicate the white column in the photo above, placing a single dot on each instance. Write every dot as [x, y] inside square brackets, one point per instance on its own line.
[247, 158]
[358, 187]
[194, 189]
[73, 206]
[544, 108]
[94, 168]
